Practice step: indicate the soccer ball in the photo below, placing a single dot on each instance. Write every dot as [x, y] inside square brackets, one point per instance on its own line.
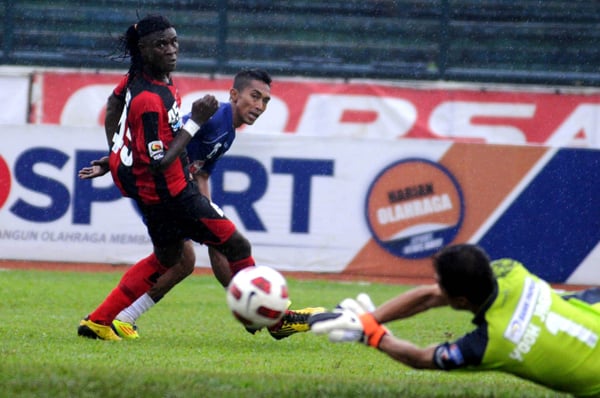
[258, 296]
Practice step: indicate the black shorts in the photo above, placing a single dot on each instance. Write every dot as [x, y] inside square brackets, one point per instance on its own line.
[189, 215]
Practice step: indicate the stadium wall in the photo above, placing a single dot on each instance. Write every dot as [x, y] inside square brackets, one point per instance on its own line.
[336, 196]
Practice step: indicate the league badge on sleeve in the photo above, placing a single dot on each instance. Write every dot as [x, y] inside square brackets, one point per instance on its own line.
[156, 150]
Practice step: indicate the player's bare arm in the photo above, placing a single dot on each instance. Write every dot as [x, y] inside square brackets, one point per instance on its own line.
[410, 303]
[408, 353]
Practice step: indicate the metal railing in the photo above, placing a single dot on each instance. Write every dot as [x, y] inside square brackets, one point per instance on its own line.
[553, 42]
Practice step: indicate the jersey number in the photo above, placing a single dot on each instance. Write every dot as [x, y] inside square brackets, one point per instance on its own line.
[119, 137]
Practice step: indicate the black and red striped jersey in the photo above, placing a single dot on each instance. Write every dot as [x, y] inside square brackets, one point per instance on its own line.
[150, 121]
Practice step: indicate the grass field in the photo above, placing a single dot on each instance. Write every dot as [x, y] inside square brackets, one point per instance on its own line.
[192, 347]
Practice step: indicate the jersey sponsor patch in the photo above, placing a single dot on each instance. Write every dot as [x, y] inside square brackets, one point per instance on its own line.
[522, 316]
[448, 356]
[156, 150]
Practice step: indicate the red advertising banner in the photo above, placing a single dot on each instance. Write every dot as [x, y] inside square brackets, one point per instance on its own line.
[361, 109]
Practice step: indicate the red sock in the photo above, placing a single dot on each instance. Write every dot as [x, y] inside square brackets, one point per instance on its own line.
[237, 266]
[135, 282]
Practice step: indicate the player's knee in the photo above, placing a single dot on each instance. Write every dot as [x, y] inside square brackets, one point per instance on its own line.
[188, 261]
[167, 260]
[187, 265]
[237, 247]
[243, 246]
[169, 256]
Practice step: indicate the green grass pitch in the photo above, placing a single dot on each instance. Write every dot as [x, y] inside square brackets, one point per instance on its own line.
[191, 346]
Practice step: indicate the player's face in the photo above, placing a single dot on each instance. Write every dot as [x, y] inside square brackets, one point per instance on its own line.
[458, 303]
[250, 103]
[159, 51]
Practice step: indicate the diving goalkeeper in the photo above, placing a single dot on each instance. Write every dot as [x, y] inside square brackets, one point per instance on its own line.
[523, 326]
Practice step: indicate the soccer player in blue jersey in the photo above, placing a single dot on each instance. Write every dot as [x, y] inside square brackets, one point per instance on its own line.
[522, 326]
[249, 98]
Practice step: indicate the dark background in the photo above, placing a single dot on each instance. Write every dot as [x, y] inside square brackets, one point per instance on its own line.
[550, 42]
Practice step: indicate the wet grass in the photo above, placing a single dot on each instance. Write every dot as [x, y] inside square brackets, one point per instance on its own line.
[192, 347]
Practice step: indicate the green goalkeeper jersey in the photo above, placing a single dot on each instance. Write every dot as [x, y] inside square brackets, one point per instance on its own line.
[529, 330]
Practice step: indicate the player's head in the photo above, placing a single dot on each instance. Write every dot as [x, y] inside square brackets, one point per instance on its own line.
[250, 95]
[244, 77]
[463, 271]
[152, 45]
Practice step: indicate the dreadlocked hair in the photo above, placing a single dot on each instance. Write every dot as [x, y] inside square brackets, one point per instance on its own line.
[129, 42]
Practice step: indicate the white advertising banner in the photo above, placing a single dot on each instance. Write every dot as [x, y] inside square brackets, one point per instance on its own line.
[323, 204]
[14, 97]
[47, 213]
[299, 201]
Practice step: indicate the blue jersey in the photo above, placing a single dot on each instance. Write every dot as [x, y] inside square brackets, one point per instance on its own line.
[214, 138]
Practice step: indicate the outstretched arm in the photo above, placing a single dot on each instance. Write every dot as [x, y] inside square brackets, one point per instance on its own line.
[406, 352]
[410, 303]
[343, 325]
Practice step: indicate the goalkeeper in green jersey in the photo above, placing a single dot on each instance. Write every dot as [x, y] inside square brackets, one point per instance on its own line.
[522, 326]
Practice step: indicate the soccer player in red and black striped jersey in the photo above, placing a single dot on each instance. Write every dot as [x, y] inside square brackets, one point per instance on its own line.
[149, 97]
[148, 163]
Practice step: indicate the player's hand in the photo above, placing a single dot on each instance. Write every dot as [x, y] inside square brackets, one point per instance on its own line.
[98, 168]
[350, 321]
[204, 108]
[362, 304]
[365, 302]
[341, 325]
[343, 328]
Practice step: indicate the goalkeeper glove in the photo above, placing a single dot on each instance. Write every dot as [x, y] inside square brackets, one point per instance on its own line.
[350, 322]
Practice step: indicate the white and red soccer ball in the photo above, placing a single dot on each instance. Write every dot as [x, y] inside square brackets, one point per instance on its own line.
[258, 296]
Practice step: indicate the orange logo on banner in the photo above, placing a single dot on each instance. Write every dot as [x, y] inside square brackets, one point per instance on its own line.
[414, 207]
